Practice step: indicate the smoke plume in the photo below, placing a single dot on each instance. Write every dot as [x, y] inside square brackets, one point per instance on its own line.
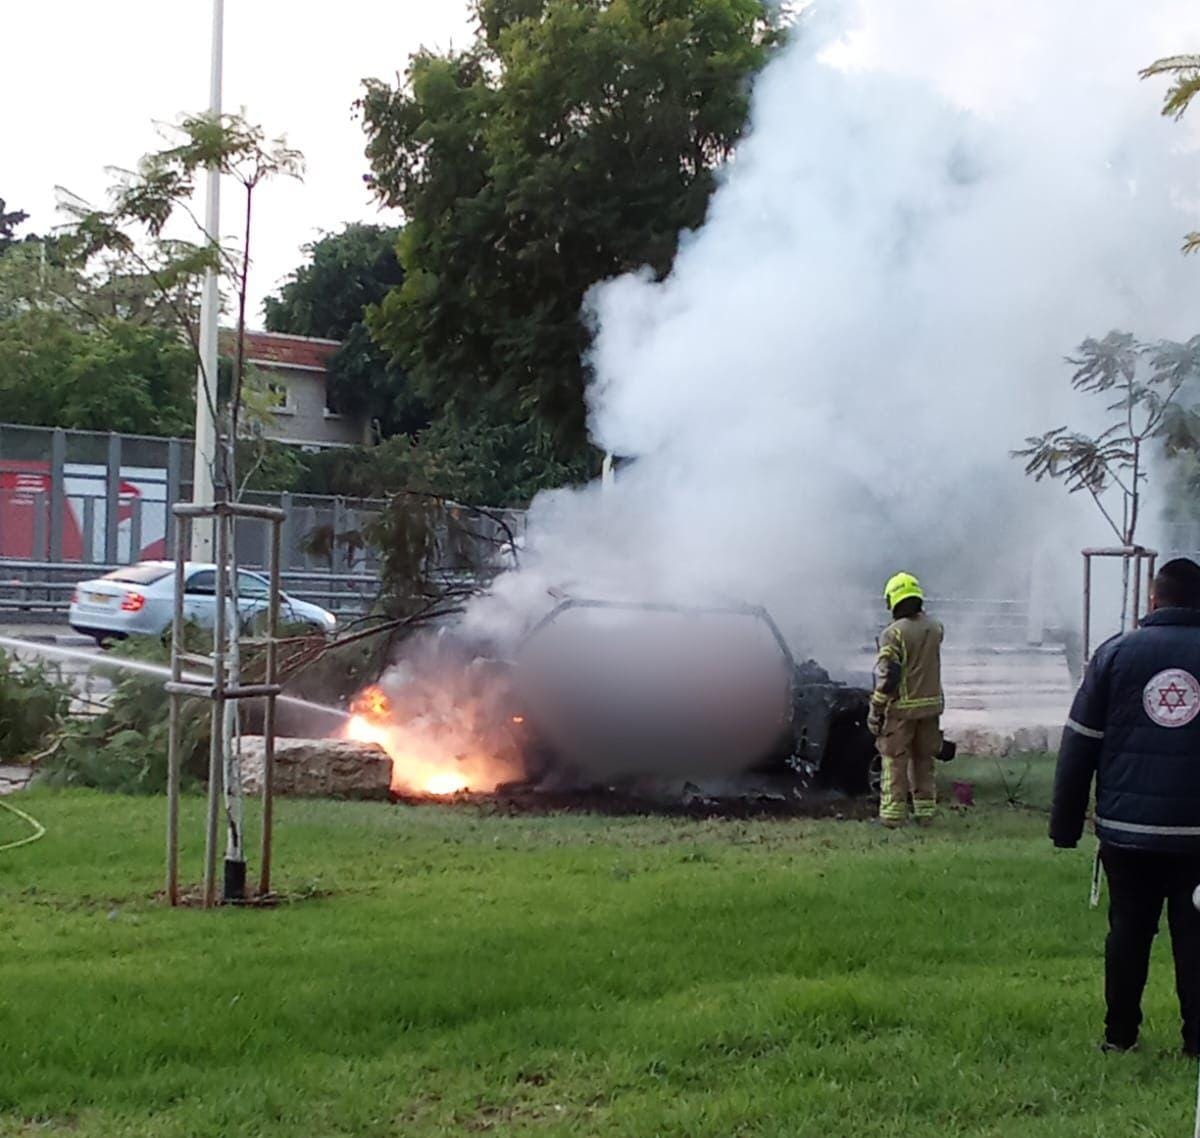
[935, 203]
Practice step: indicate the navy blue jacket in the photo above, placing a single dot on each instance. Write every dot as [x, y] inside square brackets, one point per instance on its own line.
[1135, 725]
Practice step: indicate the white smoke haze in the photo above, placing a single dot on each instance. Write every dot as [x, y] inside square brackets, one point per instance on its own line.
[935, 203]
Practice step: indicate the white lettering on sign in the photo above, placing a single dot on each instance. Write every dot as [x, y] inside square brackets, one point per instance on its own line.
[1172, 698]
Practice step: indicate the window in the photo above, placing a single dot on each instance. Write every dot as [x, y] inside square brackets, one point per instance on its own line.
[202, 583]
[146, 573]
[252, 585]
[279, 397]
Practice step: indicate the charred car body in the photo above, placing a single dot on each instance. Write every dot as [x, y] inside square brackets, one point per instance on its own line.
[662, 700]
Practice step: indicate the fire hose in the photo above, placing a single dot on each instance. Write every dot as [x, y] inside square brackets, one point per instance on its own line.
[38, 830]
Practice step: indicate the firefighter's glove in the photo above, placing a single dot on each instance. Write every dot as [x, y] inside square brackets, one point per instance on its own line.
[875, 722]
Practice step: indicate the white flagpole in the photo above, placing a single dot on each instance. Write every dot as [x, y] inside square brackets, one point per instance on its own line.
[210, 312]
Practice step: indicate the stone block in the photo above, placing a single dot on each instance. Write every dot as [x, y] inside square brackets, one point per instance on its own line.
[319, 768]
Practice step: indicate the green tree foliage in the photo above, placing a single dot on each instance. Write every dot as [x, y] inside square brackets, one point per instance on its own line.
[365, 380]
[270, 465]
[474, 459]
[572, 141]
[345, 272]
[1147, 385]
[1184, 71]
[10, 222]
[327, 297]
[1152, 388]
[98, 326]
[88, 352]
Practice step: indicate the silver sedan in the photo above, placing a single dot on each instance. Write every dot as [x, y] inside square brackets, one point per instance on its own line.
[139, 600]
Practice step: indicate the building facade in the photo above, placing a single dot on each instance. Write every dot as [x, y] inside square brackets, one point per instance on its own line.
[295, 369]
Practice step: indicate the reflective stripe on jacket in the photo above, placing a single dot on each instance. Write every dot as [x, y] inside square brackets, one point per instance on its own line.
[908, 669]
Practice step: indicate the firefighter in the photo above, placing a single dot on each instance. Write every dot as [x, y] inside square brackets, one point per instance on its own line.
[907, 704]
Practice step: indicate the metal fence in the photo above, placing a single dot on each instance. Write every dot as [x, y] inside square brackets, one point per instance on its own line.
[41, 590]
[76, 504]
[974, 623]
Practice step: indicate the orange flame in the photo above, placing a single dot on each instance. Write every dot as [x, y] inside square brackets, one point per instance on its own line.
[372, 703]
[424, 760]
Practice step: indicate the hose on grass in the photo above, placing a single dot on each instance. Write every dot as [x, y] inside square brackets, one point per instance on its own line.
[38, 830]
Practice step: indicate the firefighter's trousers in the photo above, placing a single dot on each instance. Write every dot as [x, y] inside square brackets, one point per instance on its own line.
[908, 748]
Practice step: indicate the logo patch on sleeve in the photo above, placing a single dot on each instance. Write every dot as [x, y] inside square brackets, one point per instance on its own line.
[1172, 698]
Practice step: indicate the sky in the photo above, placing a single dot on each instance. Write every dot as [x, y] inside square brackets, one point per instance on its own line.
[95, 78]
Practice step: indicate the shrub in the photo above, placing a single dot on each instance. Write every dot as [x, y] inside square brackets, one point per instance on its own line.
[124, 749]
[34, 701]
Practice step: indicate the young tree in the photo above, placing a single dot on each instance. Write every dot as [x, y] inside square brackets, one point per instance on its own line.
[1145, 383]
[1148, 383]
[129, 238]
[132, 231]
[574, 140]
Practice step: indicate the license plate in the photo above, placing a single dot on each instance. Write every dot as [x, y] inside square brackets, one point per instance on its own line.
[99, 598]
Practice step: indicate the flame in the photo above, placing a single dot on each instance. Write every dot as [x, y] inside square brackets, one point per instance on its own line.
[372, 703]
[425, 759]
[446, 783]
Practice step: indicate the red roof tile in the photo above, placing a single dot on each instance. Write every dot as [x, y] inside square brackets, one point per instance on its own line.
[287, 351]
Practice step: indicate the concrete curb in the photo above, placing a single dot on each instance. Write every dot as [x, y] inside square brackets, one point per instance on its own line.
[986, 744]
[59, 640]
[14, 778]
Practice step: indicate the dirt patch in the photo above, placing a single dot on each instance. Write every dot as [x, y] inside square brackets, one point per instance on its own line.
[192, 897]
[530, 801]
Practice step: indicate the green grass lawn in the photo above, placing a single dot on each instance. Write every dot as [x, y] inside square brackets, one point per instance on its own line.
[450, 973]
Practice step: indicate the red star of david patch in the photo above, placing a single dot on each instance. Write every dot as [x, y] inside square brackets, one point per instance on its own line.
[1172, 698]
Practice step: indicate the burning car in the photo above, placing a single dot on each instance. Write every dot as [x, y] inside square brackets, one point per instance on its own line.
[661, 694]
[648, 699]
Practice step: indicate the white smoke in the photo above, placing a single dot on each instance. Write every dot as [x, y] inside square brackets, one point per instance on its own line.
[936, 202]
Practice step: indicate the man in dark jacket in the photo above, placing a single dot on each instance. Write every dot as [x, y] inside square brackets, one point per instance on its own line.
[1135, 726]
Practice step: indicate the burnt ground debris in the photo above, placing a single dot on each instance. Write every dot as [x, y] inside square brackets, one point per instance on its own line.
[523, 799]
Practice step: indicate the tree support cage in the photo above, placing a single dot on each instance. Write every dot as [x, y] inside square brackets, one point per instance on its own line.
[1135, 559]
[222, 687]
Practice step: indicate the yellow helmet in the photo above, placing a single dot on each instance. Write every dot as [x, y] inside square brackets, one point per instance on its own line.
[901, 587]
